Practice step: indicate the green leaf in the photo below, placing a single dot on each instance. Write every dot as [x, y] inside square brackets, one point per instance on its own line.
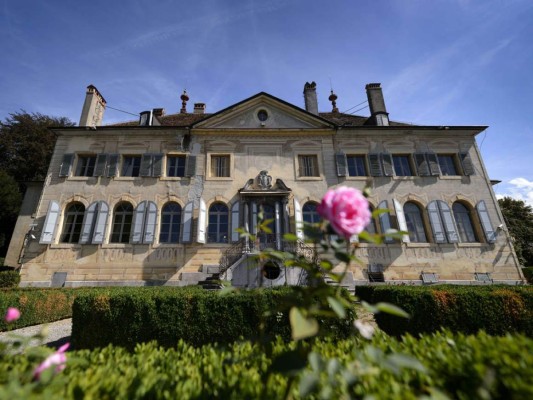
[343, 256]
[289, 363]
[337, 307]
[391, 309]
[378, 211]
[301, 326]
[308, 384]
[290, 237]
[405, 361]
[226, 290]
[369, 307]
[316, 361]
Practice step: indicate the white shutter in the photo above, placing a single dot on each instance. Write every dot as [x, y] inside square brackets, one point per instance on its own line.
[298, 220]
[88, 223]
[400, 216]
[101, 162]
[386, 159]
[375, 164]
[138, 222]
[384, 220]
[66, 165]
[101, 221]
[449, 224]
[150, 222]
[202, 216]
[235, 221]
[342, 164]
[50, 223]
[112, 165]
[436, 223]
[483, 213]
[187, 222]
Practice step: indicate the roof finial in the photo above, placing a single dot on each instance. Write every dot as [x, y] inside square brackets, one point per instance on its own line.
[184, 98]
[333, 98]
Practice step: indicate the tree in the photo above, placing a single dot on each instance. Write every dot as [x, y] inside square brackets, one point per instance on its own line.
[519, 219]
[10, 199]
[26, 144]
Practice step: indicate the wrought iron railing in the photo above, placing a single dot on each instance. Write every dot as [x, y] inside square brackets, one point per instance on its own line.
[232, 255]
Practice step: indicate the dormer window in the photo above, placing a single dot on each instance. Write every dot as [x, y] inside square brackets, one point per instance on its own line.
[382, 120]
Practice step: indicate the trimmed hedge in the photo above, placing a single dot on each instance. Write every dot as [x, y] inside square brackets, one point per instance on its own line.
[528, 274]
[9, 279]
[496, 309]
[127, 316]
[462, 367]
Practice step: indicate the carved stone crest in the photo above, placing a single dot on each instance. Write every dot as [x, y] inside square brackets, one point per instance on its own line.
[264, 181]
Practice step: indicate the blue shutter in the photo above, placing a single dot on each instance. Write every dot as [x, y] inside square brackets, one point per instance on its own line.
[483, 213]
[421, 164]
[150, 222]
[449, 224]
[66, 165]
[254, 218]
[433, 162]
[386, 159]
[112, 165]
[375, 164]
[342, 164]
[187, 222]
[88, 223]
[101, 221]
[400, 216]
[436, 222]
[138, 222]
[146, 165]
[384, 220]
[202, 217]
[235, 221]
[157, 165]
[50, 223]
[298, 219]
[466, 161]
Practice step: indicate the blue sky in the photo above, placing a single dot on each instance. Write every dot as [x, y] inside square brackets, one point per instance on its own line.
[449, 62]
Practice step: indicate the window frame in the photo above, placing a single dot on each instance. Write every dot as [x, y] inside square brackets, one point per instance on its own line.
[408, 158]
[124, 157]
[172, 224]
[218, 232]
[69, 230]
[459, 223]
[79, 166]
[316, 156]
[454, 164]
[170, 157]
[209, 160]
[122, 224]
[361, 157]
[420, 226]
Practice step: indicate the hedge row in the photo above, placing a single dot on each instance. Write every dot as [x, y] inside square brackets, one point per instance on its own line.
[497, 309]
[528, 274]
[9, 279]
[462, 367]
[127, 316]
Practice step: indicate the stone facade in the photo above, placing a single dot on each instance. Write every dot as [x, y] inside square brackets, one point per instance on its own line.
[217, 170]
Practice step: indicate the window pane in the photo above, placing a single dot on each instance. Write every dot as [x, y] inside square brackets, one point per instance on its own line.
[447, 164]
[464, 223]
[220, 166]
[122, 223]
[170, 223]
[85, 165]
[217, 229]
[356, 165]
[131, 165]
[308, 165]
[72, 223]
[415, 223]
[310, 214]
[402, 167]
[176, 166]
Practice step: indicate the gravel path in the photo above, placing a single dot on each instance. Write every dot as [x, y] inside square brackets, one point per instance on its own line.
[58, 333]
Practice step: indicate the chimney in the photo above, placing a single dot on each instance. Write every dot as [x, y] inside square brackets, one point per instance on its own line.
[158, 112]
[378, 112]
[199, 108]
[311, 102]
[92, 113]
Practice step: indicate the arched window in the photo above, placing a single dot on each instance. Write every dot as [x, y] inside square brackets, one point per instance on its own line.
[170, 223]
[217, 230]
[122, 218]
[463, 220]
[310, 214]
[415, 223]
[72, 223]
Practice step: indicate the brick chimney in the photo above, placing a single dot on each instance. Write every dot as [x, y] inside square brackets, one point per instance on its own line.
[311, 102]
[92, 113]
[199, 108]
[376, 102]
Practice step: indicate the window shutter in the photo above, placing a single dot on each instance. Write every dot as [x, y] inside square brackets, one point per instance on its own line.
[146, 165]
[187, 222]
[449, 224]
[466, 162]
[375, 164]
[157, 165]
[433, 163]
[66, 165]
[101, 221]
[298, 220]
[388, 170]
[138, 222]
[88, 223]
[101, 160]
[235, 221]
[422, 164]
[190, 168]
[202, 217]
[384, 220]
[50, 223]
[436, 222]
[150, 222]
[483, 213]
[400, 216]
[112, 165]
[342, 164]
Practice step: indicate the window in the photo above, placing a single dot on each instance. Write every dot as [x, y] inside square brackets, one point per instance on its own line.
[131, 166]
[308, 165]
[356, 165]
[170, 223]
[220, 166]
[176, 165]
[402, 165]
[463, 220]
[85, 165]
[447, 164]
[122, 219]
[310, 214]
[371, 227]
[415, 223]
[217, 230]
[72, 224]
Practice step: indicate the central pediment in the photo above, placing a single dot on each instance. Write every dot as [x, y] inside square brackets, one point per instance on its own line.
[263, 111]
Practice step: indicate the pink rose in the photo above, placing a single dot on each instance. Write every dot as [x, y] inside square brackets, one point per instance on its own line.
[59, 359]
[12, 314]
[346, 209]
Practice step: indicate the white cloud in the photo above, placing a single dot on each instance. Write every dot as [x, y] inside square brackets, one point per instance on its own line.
[519, 189]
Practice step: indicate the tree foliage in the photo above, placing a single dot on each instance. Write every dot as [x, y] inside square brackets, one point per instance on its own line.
[10, 199]
[519, 218]
[26, 144]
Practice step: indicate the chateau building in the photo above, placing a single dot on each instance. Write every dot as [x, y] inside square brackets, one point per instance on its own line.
[157, 201]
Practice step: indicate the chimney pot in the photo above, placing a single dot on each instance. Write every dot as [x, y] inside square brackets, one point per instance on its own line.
[311, 101]
[376, 102]
[199, 108]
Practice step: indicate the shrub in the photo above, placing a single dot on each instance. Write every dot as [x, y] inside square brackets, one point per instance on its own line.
[127, 316]
[528, 274]
[9, 279]
[497, 309]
